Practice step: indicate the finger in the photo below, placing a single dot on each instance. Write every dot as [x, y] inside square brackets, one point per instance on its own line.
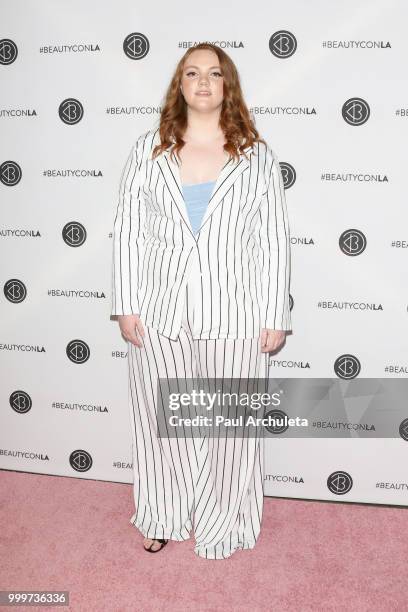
[275, 344]
[133, 338]
[268, 347]
[140, 328]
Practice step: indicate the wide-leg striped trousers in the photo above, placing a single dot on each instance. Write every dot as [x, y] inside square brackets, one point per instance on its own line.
[215, 483]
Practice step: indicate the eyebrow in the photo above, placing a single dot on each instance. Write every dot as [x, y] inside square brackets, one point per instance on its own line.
[191, 66]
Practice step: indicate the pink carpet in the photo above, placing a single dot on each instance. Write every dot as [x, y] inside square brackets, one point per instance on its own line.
[62, 533]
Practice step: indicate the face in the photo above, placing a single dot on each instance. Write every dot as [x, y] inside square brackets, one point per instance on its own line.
[202, 73]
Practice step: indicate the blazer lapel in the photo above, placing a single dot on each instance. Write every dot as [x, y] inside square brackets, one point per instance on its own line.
[171, 177]
[228, 175]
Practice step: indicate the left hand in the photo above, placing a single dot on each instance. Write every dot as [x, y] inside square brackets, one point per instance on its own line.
[271, 339]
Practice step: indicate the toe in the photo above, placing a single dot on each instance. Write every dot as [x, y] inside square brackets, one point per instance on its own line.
[152, 544]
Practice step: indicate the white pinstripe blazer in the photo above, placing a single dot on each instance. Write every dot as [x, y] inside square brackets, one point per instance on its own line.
[238, 262]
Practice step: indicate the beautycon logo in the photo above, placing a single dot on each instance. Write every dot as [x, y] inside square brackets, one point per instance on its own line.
[339, 483]
[15, 290]
[136, 46]
[355, 111]
[78, 351]
[74, 234]
[277, 418]
[10, 173]
[347, 367]
[8, 51]
[80, 460]
[70, 111]
[403, 430]
[288, 174]
[20, 401]
[352, 242]
[282, 44]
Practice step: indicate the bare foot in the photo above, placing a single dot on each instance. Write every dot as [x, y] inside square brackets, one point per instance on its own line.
[147, 543]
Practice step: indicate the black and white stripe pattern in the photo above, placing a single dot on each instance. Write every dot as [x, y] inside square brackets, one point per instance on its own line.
[239, 262]
[212, 485]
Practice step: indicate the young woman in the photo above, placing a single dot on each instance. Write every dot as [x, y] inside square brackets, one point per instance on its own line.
[201, 270]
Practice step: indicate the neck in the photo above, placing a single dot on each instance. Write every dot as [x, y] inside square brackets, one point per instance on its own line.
[203, 128]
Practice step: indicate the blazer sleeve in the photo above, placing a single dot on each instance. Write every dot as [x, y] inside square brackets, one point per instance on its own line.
[128, 236]
[274, 242]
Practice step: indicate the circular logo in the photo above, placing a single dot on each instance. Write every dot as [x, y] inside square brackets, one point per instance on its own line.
[355, 111]
[282, 44]
[8, 51]
[347, 367]
[78, 351]
[80, 460]
[277, 415]
[288, 174]
[136, 46]
[10, 173]
[74, 234]
[70, 111]
[352, 242]
[15, 290]
[339, 483]
[403, 430]
[20, 401]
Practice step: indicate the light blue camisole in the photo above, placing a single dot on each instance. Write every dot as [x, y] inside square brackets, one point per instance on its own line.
[196, 197]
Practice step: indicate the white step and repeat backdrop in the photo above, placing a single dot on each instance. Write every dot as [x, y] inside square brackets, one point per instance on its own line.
[324, 81]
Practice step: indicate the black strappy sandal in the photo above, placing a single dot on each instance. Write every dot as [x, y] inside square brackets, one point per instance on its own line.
[162, 542]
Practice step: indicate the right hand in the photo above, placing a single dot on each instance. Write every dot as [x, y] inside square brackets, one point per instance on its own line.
[128, 325]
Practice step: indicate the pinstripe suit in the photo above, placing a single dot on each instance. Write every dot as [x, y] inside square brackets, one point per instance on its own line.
[212, 485]
[239, 261]
[202, 300]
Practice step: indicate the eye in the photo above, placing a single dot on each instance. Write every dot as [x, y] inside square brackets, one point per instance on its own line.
[217, 73]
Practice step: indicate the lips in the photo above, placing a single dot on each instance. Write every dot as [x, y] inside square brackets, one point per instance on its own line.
[203, 93]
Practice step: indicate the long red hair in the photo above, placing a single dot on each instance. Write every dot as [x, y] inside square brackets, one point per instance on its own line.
[235, 119]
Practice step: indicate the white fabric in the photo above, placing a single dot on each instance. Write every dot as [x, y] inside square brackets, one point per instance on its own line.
[215, 483]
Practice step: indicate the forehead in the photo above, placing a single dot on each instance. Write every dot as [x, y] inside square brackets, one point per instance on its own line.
[202, 58]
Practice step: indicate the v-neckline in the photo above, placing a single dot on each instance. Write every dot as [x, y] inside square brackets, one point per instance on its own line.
[216, 182]
[231, 167]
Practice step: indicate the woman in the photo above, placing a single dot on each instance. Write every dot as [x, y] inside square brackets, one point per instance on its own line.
[201, 269]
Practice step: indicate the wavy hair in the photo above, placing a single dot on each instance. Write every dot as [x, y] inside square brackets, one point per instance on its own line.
[235, 119]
